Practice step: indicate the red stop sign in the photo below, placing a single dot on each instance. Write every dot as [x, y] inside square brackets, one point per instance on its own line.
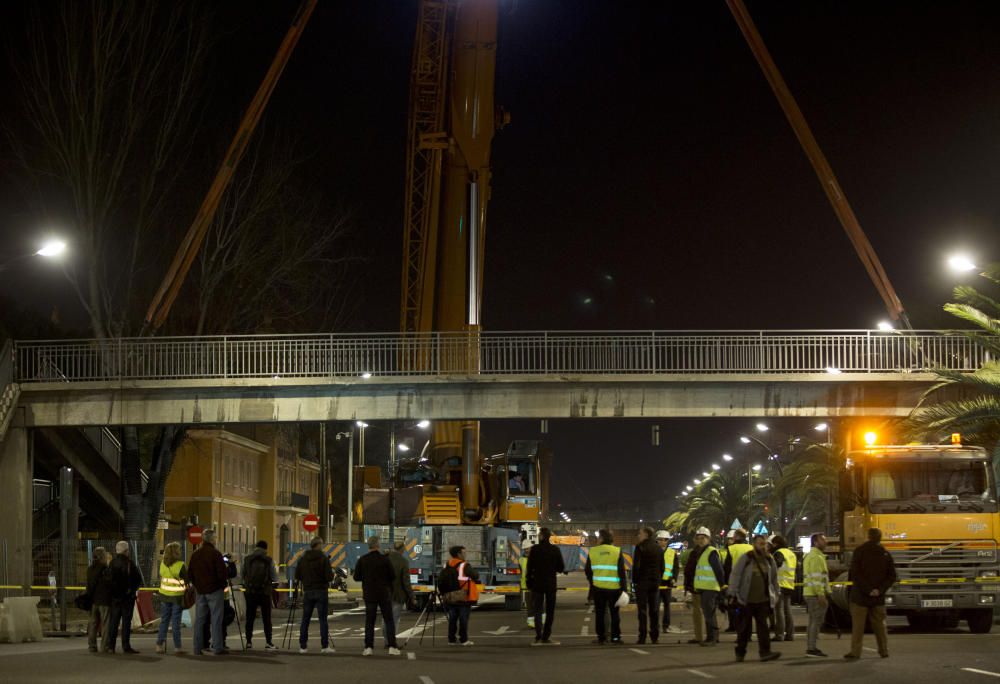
[195, 535]
[310, 523]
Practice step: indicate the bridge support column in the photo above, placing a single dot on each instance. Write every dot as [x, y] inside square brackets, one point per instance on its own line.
[16, 462]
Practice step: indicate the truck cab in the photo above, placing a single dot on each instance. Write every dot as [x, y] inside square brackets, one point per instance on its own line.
[937, 508]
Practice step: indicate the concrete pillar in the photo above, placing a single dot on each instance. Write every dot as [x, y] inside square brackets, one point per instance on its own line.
[16, 462]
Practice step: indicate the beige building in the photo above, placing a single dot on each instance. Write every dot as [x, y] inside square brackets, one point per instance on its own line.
[252, 482]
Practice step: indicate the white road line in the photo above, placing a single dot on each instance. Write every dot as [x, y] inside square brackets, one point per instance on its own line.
[869, 648]
[590, 609]
[586, 619]
[982, 672]
[639, 651]
[410, 655]
[426, 680]
[583, 631]
[701, 674]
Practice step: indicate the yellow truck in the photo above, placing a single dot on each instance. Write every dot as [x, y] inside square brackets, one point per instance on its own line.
[937, 508]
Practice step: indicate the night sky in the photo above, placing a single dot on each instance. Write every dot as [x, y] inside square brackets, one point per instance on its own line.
[648, 170]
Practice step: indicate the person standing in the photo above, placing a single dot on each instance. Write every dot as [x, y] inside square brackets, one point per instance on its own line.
[99, 591]
[374, 571]
[689, 559]
[402, 592]
[668, 579]
[605, 570]
[522, 563]
[545, 561]
[754, 587]
[816, 590]
[173, 576]
[125, 583]
[259, 578]
[786, 562]
[207, 572]
[647, 570]
[708, 581]
[459, 577]
[314, 574]
[872, 574]
[737, 540]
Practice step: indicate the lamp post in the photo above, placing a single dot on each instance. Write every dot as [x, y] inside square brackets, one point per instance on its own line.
[49, 250]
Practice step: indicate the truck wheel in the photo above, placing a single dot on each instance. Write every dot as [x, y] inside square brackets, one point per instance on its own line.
[980, 621]
[512, 602]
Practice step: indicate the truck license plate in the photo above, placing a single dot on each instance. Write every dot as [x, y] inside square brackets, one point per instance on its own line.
[935, 603]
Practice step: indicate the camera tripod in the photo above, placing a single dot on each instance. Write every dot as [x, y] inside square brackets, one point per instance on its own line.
[433, 604]
[287, 640]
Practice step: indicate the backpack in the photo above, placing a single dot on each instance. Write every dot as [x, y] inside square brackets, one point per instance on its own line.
[449, 587]
[259, 574]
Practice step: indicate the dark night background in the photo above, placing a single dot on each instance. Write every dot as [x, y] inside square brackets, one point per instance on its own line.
[648, 170]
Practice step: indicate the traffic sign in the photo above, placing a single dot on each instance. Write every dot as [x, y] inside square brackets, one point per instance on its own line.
[195, 535]
[310, 523]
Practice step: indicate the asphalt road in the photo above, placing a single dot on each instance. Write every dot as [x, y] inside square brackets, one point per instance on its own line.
[502, 653]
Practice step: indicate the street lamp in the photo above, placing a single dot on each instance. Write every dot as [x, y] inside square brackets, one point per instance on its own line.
[762, 427]
[885, 326]
[727, 457]
[961, 263]
[49, 250]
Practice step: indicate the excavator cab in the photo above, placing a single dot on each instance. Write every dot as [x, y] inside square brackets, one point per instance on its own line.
[517, 479]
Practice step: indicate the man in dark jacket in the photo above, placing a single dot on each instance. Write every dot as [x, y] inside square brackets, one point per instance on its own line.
[258, 578]
[647, 569]
[207, 572]
[376, 575]
[545, 561]
[99, 591]
[314, 574]
[125, 583]
[402, 592]
[872, 574]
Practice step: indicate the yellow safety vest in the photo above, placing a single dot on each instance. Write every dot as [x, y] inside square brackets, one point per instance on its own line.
[171, 583]
[815, 575]
[736, 551]
[523, 563]
[786, 573]
[704, 575]
[604, 566]
[669, 555]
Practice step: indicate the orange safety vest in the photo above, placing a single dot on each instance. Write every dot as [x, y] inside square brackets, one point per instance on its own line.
[471, 590]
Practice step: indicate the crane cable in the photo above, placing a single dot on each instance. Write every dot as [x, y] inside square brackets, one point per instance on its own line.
[841, 207]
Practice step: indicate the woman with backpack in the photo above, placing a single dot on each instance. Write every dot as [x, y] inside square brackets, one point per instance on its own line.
[173, 580]
[259, 577]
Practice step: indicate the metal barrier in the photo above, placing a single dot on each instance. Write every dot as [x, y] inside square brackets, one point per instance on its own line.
[496, 353]
[9, 389]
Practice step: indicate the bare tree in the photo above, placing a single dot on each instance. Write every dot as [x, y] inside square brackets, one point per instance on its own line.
[274, 257]
[108, 90]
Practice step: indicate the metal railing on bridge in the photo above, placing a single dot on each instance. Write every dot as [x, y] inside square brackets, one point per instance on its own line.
[495, 353]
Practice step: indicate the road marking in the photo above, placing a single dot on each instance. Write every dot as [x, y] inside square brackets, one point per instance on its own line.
[426, 680]
[586, 619]
[639, 651]
[700, 673]
[590, 609]
[869, 648]
[410, 655]
[583, 631]
[498, 632]
[982, 672]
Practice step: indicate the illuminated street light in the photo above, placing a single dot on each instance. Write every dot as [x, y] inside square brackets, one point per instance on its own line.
[716, 466]
[832, 370]
[705, 475]
[885, 326]
[52, 248]
[961, 263]
[727, 457]
[424, 424]
[821, 427]
[688, 488]
[697, 481]
[757, 467]
[870, 438]
[403, 447]
[361, 424]
[744, 439]
[761, 427]
[366, 375]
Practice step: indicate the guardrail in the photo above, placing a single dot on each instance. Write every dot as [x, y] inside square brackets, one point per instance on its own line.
[496, 353]
[8, 388]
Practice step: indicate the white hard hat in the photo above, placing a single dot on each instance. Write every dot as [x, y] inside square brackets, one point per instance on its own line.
[770, 540]
[703, 532]
[663, 534]
[730, 534]
[622, 601]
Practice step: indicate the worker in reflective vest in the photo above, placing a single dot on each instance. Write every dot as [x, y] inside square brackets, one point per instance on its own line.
[708, 579]
[669, 578]
[605, 570]
[738, 546]
[173, 574]
[787, 562]
[522, 562]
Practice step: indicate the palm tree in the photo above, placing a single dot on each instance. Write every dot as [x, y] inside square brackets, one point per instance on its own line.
[806, 486]
[967, 403]
[716, 502]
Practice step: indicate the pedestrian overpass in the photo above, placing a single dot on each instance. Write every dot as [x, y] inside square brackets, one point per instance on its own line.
[653, 374]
